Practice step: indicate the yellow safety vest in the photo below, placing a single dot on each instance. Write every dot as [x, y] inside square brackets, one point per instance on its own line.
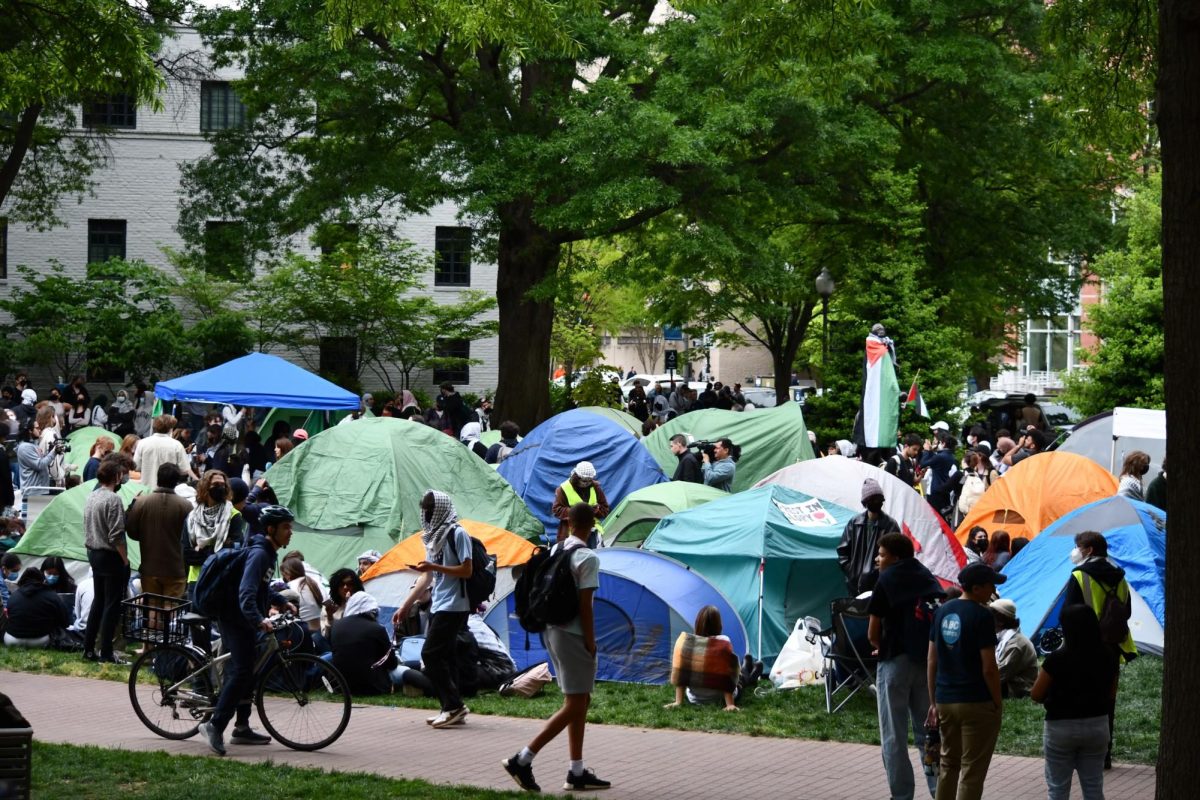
[1095, 593]
[574, 498]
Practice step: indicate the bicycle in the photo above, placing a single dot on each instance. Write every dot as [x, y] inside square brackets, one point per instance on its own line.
[302, 700]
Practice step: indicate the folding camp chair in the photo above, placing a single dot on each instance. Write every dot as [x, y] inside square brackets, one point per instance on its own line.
[849, 667]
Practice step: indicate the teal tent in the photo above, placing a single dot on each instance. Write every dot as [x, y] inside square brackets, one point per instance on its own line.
[635, 517]
[357, 487]
[770, 438]
[58, 530]
[772, 551]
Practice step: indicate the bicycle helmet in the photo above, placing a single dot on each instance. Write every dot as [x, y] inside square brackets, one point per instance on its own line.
[273, 515]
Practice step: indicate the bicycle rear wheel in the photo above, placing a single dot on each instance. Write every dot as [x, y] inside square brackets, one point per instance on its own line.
[303, 701]
[171, 691]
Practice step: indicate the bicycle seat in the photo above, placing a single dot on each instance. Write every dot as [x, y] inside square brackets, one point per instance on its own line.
[192, 618]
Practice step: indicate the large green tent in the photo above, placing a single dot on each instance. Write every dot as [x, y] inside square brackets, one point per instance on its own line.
[58, 530]
[82, 440]
[772, 551]
[634, 517]
[770, 438]
[357, 487]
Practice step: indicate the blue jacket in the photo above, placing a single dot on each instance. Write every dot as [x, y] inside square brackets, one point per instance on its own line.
[719, 475]
[254, 589]
[942, 464]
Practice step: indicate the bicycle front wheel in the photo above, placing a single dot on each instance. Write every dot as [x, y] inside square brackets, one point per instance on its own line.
[303, 701]
[171, 691]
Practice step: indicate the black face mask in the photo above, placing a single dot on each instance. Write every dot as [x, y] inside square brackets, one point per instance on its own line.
[874, 505]
[219, 493]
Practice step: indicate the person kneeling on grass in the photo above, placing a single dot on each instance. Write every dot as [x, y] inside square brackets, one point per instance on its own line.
[572, 649]
[685, 676]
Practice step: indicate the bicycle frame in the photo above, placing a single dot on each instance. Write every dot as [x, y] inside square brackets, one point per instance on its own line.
[178, 688]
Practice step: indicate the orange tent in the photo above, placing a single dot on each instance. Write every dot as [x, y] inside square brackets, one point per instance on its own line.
[1037, 491]
[389, 580]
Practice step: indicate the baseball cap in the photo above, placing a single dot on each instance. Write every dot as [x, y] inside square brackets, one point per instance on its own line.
[979, 574]
[940, 425]
[1005, 608]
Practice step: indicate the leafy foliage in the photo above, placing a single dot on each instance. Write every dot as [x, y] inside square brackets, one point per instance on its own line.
[1126, 369]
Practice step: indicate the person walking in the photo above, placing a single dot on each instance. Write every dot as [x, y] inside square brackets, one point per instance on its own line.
[240, 619]
[1076, 684]
[104, 537]
[898, 629]
[572, 649]
[447, 564]
[964, 682]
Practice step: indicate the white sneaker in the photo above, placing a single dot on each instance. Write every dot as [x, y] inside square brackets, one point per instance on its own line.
[448, 718]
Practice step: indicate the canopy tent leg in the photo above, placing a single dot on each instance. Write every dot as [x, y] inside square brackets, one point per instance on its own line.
[762, 568]
[1112, 456]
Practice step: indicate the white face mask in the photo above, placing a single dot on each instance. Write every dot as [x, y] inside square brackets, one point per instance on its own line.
[1076, 556]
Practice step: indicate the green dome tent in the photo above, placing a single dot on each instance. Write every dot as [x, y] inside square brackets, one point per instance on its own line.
[626, 421]
[82, 441]
[58, 530]
[770, 438]
[631, 521]
[357, 487]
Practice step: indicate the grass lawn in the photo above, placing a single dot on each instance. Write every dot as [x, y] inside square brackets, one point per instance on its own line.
[84, 773]
[799, 713]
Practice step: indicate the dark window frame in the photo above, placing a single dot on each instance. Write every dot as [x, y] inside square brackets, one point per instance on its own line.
[456, 348]
[116, 110]
[220, 108]
[3, 248]
[107, 239]
[452, 255]
[338, 357]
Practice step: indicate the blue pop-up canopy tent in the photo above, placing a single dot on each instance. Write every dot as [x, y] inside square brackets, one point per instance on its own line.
[644, 602]
[258, 380]
[1137, 543]
[772, 551]
[546, 456]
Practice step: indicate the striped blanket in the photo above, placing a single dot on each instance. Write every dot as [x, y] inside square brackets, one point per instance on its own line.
[704, 662]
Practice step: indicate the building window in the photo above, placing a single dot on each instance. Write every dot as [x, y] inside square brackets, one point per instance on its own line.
[452, 249]
[225, 254]
[106, 239]
[111, 111]
[452, 348]
[339, 356]
[3, 248]
[1051, 345]
[220, 108]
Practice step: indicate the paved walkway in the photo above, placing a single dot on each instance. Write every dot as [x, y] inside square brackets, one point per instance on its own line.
[658, 764]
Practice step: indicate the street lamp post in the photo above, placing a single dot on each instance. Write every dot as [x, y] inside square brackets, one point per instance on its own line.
[825, 287]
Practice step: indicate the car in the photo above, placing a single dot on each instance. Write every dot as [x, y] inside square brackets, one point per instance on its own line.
[761, 397]
[999, 406]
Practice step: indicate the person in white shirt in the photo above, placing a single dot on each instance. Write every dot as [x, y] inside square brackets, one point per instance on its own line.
[160, 448]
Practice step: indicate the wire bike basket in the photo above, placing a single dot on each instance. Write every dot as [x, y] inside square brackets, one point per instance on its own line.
[154, 619]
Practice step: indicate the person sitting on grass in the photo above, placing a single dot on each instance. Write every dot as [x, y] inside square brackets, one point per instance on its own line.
[34, 612]
[708, 626]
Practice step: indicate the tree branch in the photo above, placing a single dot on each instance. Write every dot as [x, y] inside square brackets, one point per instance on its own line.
[22, 138]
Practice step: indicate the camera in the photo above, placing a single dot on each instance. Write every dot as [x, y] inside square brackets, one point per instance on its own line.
[706, 447]
[62, 446]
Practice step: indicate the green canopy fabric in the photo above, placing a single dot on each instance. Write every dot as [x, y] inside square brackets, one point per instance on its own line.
[489, 438]
[626, 421]
[770, 438]
[772, 551]
[58, 530]
[82, 441]
[634, 518]
[357, 487]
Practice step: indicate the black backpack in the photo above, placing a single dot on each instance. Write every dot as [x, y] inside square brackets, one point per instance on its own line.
[482, 583]
[545, 593]
[1114, 616]
[217, 585]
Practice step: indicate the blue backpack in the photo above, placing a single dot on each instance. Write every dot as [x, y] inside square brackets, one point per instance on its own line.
[217, 587]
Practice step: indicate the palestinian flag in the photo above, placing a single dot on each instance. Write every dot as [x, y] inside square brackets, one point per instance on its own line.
[879, 419]
[914, 396]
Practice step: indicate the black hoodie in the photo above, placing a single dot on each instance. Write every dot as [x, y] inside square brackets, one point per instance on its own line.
[1098, 569]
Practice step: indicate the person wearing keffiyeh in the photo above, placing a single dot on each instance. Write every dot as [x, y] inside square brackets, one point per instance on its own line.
[447, 564]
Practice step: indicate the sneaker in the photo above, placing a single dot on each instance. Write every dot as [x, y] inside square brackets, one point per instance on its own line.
[521, 773]
[447, 718]
[213, 737]
[247, 735]
[433, 719]
[584, 782]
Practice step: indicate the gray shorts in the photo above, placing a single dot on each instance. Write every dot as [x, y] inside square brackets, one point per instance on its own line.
[574, 666]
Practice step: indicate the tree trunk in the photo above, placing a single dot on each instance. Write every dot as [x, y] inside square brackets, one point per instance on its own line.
[1178, 110]
[526, 257]
[782, 359]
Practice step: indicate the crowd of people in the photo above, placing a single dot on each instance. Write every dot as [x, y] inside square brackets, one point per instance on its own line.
[946, 658]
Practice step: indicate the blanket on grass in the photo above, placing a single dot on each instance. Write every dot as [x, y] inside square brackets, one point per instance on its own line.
[704, 662]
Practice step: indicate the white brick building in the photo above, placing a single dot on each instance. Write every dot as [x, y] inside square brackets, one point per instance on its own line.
[134, 209]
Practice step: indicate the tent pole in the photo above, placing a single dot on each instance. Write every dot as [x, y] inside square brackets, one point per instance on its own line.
[762, 568]
[1112, 455]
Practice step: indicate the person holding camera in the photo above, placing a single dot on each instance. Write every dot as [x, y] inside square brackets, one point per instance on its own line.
[35, 465]
[720, 464]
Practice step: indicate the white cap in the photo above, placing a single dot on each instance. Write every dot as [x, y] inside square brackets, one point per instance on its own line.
[29, 396]
[939, 426]
[585, 470]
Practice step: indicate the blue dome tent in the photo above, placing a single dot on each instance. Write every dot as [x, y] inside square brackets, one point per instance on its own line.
[1137, 542]
[644, 602]
[548, 453]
